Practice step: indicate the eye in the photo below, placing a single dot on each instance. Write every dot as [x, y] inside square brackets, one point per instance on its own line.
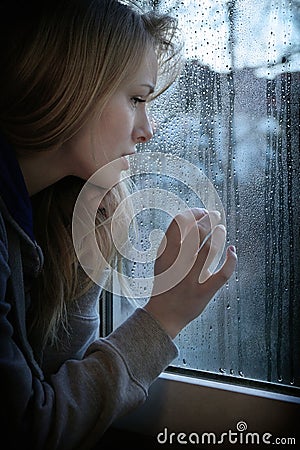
[136, 100]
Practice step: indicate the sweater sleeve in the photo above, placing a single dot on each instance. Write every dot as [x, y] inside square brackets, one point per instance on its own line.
[112, 379]
[77, 404]
[15, 374]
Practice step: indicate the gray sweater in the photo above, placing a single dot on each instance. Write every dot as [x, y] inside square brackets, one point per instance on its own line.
[71, 401]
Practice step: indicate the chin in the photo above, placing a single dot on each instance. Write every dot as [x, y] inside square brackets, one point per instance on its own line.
[109, 175]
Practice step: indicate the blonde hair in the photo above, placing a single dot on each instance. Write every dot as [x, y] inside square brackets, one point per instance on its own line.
[61, 62]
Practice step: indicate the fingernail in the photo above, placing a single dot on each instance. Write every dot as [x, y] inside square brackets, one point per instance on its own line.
[232, 248]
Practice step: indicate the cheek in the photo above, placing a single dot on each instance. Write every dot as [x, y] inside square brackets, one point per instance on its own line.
[106, 133]
[117, 123]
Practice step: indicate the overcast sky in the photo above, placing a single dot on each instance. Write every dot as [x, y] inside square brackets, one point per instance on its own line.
[264, 32]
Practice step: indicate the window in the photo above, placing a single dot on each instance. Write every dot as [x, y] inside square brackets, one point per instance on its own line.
[234, 114]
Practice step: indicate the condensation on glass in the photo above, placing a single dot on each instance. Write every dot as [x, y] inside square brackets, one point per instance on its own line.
[234, 112]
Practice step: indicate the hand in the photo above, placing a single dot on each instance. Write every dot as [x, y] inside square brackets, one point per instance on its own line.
[190, 245]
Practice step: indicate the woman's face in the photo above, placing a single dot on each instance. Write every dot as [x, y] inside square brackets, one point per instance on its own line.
[123, 124]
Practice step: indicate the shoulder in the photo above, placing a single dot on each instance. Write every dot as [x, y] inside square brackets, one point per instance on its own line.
[4, 264]
[3, 233]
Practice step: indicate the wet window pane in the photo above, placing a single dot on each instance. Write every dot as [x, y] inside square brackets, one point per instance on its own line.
[234, 113]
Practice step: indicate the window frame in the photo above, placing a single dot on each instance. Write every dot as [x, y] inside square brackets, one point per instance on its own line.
[186, 404]
[191, 401]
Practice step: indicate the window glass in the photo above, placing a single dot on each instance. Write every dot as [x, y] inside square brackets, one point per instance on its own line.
[234, 114]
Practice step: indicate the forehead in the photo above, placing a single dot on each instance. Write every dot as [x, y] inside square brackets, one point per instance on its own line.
[146, 72]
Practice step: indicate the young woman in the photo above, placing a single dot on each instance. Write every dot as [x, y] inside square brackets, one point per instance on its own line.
[75, 80]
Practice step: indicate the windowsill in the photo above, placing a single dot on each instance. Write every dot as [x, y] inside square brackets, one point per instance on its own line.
[230, 387]
[186, 404]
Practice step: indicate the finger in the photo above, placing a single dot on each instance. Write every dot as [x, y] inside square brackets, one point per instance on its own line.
[199, 213]
[212, 217]
[174, 244]
[183, 222]
[179, 248]
[207, 223]
[189, 218]
[214, 246]
[178, 252]
[194, 234]
[219, 278]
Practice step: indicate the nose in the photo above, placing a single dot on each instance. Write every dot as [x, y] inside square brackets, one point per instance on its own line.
[144, 129]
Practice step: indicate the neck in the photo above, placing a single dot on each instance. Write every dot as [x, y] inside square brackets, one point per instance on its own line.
[41, 169]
